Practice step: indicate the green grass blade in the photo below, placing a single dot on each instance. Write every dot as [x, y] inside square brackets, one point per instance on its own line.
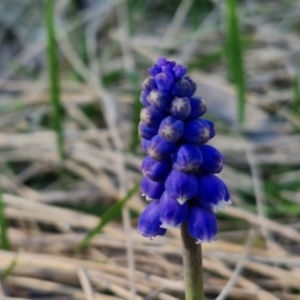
[137, 106]
[53, 71]
[3, 225]
[235, 57]
[296, 108]
[108, 216]
[9, 269]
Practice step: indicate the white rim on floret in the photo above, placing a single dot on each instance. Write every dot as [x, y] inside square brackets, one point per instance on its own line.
[221, 205]
[167, 225]
[206, 240]
[182, 199]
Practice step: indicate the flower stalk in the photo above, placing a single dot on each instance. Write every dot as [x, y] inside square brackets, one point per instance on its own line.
[192, 264]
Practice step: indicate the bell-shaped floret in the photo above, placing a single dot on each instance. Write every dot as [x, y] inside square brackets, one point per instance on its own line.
[152, 189]
[158, 99]
[212, 160]
[160, 149]
[198, 108]
[143, 98]
[149, 222]
[197, 131]
[181, 186]
[155, 170]
[145, 144]
[211, 193]
[147, 132]
[202, 224]
[172, 214]
[164, 81]
[171, 129]
[187, 158]
[151, 116]
[184, 87]
[149, 84]
[180, 108]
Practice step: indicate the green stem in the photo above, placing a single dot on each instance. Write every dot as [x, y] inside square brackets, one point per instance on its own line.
[192, 264]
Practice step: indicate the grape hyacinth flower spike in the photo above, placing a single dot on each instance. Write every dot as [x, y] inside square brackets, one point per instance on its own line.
[179, 168]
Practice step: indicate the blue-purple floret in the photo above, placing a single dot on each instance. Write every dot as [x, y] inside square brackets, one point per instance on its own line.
[179, 170]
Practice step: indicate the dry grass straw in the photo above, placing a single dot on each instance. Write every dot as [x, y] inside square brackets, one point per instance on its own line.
[119, 263]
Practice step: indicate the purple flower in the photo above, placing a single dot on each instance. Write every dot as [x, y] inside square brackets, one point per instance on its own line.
[160, 149]
[164, 81]
[202, 224]
[187, 158]
[172, 214]
[149, 224]
[180, 108]
[151, 116]
[158, 99]
[152, 189]
[197, 131]
[181, 186]
[155, 170]
[147, 132]
[212, 160]
[198, 108]
[178, 169]
[212, 192]
[171, 129]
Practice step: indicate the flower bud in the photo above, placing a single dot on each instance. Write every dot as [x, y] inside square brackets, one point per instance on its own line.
[147, 132]
[155, 69]
[151, 116]
[180, 108]
[152, 189]
[143, 98]
[171, 129]
[155, 170]
[198, 108]
[211, 192]
[160, 149]
[164, 81]
[145, 144]
[181, 186]
[211, 125]
[149, 84]
[212, 160]
[161, 61]
[172, 214]
[202, 224]
[184, 87]
[187, 158]
[149, 222]
[168, 68]
[197, 131]
[179, 71]
[158, 99]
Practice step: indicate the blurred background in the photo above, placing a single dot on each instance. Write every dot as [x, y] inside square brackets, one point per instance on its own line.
[70, 81]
